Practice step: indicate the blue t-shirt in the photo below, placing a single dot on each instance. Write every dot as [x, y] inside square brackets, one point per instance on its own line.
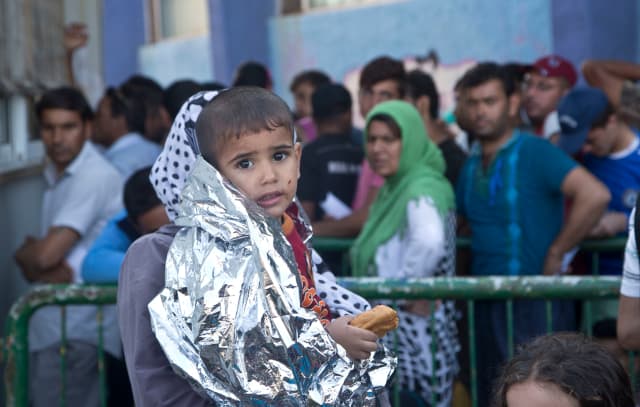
[515, 206]
[102, 262]
[620, 172]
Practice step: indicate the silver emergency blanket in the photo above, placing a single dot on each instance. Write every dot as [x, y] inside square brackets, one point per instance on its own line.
[230, 319]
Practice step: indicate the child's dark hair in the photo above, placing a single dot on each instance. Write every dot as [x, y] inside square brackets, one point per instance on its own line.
[139, 195]
[381, 69]
[238, 111]
[65, 98]
[483, 73]
[420, 83]
[576, 365]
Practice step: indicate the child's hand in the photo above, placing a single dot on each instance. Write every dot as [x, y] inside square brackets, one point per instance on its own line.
[358, 342]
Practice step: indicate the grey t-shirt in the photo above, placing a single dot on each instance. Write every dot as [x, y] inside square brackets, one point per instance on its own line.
[153, 381]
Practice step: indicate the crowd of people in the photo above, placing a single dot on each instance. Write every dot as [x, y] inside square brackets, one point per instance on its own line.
[549, 164]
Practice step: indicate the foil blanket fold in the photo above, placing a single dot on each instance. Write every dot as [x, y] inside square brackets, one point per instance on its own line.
[229, 318]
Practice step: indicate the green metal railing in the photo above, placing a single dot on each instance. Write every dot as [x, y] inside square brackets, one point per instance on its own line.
[471, 289]
[463, 288]
[594, 246]
[17, 334]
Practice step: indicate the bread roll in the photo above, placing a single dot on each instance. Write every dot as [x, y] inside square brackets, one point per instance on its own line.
[379, 320]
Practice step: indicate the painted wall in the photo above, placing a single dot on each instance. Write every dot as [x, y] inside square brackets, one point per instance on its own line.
[123, 24]
[239, 33]
[340, 41]
[171, 60]
[585, 29]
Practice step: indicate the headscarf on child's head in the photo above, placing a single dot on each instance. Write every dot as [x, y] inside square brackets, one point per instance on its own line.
[175, 162]
[420, 175]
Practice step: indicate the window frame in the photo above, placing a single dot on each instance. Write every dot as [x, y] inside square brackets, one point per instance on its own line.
[153, 17]
[20, 150]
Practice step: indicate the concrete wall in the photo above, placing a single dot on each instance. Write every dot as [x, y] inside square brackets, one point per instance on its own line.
[20, 206]
[171, 60]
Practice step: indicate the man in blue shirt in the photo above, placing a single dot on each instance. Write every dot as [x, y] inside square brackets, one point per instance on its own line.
[511, 192]
[611, 150]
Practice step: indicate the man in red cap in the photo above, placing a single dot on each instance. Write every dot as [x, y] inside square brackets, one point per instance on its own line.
[549, 79]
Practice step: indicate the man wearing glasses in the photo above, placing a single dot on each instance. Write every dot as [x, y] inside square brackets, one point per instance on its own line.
[549, 79]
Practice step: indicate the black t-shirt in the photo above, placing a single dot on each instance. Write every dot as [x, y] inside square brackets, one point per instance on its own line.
[331, 163]
[454, 157]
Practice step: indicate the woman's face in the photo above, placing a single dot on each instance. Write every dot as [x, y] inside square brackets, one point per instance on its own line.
[536, 394]
[384, 148]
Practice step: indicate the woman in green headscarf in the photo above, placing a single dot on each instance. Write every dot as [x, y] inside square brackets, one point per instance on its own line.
[410, 233]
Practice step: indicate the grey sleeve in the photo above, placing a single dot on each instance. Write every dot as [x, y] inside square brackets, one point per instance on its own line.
[153, 381]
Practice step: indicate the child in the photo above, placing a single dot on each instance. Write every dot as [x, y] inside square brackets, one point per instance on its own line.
[246, 133]
[563, 370]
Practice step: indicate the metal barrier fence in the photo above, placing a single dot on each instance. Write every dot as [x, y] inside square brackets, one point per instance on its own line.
[471, 289]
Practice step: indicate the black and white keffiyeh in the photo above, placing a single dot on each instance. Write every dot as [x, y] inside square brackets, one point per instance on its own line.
[174, 164]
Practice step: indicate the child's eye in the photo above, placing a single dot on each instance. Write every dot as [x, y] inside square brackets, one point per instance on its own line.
[244, 164]
[279, 156]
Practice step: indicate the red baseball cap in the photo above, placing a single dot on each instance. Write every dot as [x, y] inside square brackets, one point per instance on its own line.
[554, 66]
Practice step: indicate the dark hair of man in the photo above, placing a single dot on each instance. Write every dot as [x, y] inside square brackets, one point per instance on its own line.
[252, 74]
[389, 121]
[516, 72]
[483, 73]
[420, 83]
[127, 101]
[177, 93]
[149, 90]
[381, 69]
[329, 101]
[65, 98]
[581, 368]
[239, 111]
[213, 85]
[139, 195]
[314, 77]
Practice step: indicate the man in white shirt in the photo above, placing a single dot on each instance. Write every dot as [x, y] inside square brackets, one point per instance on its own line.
[82, 191]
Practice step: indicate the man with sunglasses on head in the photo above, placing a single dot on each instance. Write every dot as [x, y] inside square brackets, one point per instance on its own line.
[120, 125]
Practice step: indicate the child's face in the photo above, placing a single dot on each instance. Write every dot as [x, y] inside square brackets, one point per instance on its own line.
[536, 394]
[265, 166]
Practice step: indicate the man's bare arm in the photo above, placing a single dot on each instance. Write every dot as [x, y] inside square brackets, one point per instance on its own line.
[609, 76]
[590, 198]
[628, 325]
[37, 256]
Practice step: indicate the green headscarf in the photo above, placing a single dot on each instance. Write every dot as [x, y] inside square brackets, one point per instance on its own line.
[420, 174]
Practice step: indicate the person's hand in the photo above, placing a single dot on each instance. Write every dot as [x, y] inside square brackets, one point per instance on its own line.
[553, 263]
[359, 343]
[610, 225]
[60, 274]
[22, 254]
[75, 36]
